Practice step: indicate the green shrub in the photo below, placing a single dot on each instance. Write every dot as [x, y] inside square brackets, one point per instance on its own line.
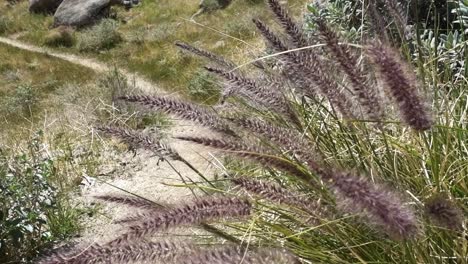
[203, 87]
[102, 36]
[31, 205]
[60, 37]
[4, 24]
[23, 100]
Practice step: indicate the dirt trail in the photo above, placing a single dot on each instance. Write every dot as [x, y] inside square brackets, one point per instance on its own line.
[148, 177]
[139, 82]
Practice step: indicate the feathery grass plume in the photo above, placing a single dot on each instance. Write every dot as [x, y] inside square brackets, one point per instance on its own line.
[206, 54]
[141, 251]
[276, 193]
[251, 152]
[272, 38]
[304, 68]
[138, 140]
[311, 66]
[402, 85]
[270, 98]
[182, 109]
[298, 77]
[132, 201]
[288, 139]
[366, 95]
[137, 217]
[377, 22]
[201, 210]
[382, 206]
[249, 86]
[399, 16]
[290, 26]
[236, 255]
[444, 212]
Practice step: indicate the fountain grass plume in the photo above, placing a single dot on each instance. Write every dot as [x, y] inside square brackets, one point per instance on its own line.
[444, 212]
[128, 200]
[202, 210]
[379, 204]
[206, 54]
[305, 69]
[402, 85]
[182, 109]
[279, 194]
[268, 97]
[255, 153]
[236, 255]
[366, 94]
[293, 29]
[288, 139]
[141, 251]
[272, 38]
[137, 140]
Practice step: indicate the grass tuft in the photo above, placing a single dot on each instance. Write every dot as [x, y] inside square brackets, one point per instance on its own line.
[103, 36]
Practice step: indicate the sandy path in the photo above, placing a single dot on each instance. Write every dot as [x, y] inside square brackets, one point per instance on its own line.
[148, 178]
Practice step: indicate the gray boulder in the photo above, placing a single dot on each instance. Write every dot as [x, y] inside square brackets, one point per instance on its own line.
[79, 13]
[44, 6]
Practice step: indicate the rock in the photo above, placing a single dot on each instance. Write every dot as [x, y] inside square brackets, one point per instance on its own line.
[79, 13]
[44, 6]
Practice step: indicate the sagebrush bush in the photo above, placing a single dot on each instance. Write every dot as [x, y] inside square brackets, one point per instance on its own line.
[102, 36]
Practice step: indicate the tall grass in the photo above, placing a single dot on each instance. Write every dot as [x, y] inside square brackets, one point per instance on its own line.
[360, 156]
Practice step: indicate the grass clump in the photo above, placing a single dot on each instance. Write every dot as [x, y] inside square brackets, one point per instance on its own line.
[23, 100]
[30, 88]
[204, 87]
[211, 5]
[60, 37]
[4, 24]
[341, 175]
[103, 36]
